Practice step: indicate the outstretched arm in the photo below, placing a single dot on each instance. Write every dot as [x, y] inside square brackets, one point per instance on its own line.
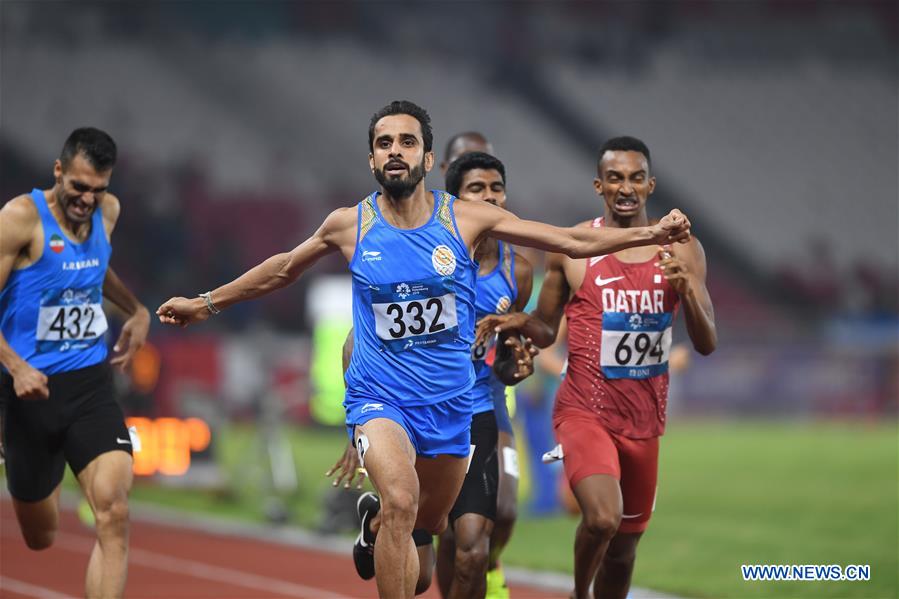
[477, 219]
[276, 272]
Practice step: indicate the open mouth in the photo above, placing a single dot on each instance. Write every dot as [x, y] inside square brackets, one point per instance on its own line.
[626, 203]
[395, 168]
[80, 209]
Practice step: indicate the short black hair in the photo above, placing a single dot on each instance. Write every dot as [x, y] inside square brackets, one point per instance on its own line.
[625, 143]
[403, 107]
[470, 135]
[470, 161]
[97, 146]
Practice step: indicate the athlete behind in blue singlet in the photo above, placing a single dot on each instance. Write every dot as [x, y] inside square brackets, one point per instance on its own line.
[410, 253]
[56, 388]
[503, 285]
[463, 143]
[506, 452]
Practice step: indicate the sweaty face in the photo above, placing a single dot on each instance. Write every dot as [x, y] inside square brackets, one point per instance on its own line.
[398, 159]
[80, 188]
[624, 182]
[485, 185]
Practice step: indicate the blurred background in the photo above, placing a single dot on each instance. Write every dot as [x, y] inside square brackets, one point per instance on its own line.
[772, 124]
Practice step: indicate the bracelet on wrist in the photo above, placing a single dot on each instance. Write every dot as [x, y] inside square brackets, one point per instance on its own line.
[207, 297]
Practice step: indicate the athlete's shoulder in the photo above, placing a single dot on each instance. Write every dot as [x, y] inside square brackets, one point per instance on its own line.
[691, 250]
[586, 223]
[339, 224]
[471, 206]
[111, 207]
[18, 219]
[341, 217]
[480, 211]
[20, 211]
[523, 267]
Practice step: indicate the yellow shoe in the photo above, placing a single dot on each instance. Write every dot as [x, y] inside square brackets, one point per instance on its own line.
[496, 585]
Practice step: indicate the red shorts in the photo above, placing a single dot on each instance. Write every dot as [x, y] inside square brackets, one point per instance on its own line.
[589, 448]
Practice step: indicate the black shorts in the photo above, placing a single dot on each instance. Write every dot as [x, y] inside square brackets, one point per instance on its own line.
[79, 421]
[478, 494]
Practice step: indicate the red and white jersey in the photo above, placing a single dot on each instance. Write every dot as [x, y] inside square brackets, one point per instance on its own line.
[619, 338]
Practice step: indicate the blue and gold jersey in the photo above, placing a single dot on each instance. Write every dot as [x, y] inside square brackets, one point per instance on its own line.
[495, 293]
[413, 308]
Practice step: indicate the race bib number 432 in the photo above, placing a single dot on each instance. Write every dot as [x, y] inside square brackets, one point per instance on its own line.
[635, 345]
[70, 319]
[415, 313]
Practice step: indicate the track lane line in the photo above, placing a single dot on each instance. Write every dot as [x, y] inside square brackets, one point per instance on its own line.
[152, 559]
[31, 590]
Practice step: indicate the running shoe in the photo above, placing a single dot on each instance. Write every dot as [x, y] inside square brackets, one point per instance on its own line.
[364, 548]
[496, 585]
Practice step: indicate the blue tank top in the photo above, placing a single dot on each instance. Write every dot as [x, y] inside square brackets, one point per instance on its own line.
[496, 294]
[51, 312]
[413, 308]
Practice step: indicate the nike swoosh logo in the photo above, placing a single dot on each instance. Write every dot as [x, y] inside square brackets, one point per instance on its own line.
[631, 515]
[601, 281]
[362, 535]
[122, 441]
[596, 259]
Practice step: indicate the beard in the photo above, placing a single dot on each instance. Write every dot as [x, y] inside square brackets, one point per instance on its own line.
[401, 187]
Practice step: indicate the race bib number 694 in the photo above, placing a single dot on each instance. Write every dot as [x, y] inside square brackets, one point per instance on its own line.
[635, 345]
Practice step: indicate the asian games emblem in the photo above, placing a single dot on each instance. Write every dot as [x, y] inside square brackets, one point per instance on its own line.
[503, 304]
[444, 260]
[636, 321]
[403, 291]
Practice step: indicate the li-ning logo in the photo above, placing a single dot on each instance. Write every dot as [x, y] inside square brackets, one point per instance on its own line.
[372, 407]
[370, 256]
[403, 291]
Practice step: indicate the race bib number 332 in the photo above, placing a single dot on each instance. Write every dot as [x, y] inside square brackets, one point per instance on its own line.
[70, 319]
[635, 345]
[415, 313]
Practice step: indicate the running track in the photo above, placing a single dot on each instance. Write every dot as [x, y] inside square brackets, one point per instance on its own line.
[190, 559]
